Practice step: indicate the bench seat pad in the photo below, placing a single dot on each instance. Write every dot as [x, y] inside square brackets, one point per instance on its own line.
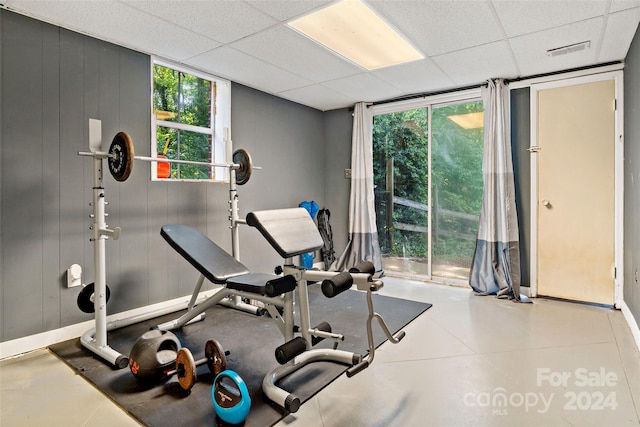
[209, 259]
[256, 283]
[290, 231]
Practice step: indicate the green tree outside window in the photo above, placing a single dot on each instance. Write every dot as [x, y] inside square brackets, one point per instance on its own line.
[183, 106]
[406, 169]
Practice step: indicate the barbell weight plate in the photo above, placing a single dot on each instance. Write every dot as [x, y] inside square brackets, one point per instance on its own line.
[243, 173]
[186, 369]
[85, 298]
[216, 359]
[121, 159]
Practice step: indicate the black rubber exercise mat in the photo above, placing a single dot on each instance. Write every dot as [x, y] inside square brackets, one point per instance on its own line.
[251, 341]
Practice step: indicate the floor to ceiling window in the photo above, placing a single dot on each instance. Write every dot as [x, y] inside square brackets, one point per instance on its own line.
[428, 184]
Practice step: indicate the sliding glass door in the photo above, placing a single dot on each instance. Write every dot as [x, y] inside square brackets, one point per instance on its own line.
[428, 178]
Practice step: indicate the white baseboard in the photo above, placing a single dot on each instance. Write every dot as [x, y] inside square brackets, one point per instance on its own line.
[633, 323]
[33, 342]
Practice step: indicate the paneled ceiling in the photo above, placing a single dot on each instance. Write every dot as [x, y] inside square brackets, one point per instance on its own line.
[248, 41]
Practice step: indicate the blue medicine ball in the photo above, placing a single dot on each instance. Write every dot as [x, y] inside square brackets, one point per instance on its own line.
[230, 397]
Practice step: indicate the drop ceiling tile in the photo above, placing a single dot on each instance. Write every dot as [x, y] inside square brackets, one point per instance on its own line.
[116, 22]
[176, 30]
[437, 27]
[223, 21]
[477, 64]
[617, 5]
[318, 96]
[362, 87]
[296, 53]
[284, 10]
[621, 27]
[531, 50]
[415, 77]
[242, 68]
[524, 17]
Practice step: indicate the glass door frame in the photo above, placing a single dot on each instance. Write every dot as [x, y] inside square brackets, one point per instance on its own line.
[428, 102]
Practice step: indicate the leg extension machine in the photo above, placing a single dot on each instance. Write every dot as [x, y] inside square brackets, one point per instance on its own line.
[292, 232]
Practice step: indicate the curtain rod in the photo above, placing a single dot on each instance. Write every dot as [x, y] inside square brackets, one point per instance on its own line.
[555, 73]
[507, 81]
[423, 95]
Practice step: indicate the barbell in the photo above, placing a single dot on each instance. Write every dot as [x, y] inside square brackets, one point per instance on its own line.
[121, 156]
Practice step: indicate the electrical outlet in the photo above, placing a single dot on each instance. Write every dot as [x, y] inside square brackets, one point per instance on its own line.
[347, 174]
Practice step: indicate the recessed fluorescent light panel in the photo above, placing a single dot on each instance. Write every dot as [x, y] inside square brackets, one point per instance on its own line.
[354, 31]
[469, 120]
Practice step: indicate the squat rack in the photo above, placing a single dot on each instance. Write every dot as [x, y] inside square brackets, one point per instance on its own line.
[120, 162]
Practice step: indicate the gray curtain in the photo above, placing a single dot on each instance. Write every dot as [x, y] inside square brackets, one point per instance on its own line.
[496, 262]
[363, 235]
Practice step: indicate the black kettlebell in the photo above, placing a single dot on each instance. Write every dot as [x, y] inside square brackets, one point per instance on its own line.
[153, 355]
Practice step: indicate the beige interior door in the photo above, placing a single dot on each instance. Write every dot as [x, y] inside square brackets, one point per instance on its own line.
[575, 235]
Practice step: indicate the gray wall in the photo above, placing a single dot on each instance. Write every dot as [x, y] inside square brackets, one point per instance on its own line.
[338, 126]
[632, 177]
[52, 81]
[520, 142]
[287, 141]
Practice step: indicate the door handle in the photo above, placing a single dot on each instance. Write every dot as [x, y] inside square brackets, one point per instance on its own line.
[546, 204]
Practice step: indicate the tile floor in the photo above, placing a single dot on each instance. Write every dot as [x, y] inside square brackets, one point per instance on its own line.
[467, 361]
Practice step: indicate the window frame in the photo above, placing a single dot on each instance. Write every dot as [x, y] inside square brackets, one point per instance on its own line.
[220, 129]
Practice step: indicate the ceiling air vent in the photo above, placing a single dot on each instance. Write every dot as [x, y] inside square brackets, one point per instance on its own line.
[576, 47]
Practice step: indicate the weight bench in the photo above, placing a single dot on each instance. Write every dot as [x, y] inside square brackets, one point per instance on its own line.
[291, 232]
[217, 266]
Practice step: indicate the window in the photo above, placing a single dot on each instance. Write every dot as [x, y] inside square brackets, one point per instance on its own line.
[428, 184]
[191, 116]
